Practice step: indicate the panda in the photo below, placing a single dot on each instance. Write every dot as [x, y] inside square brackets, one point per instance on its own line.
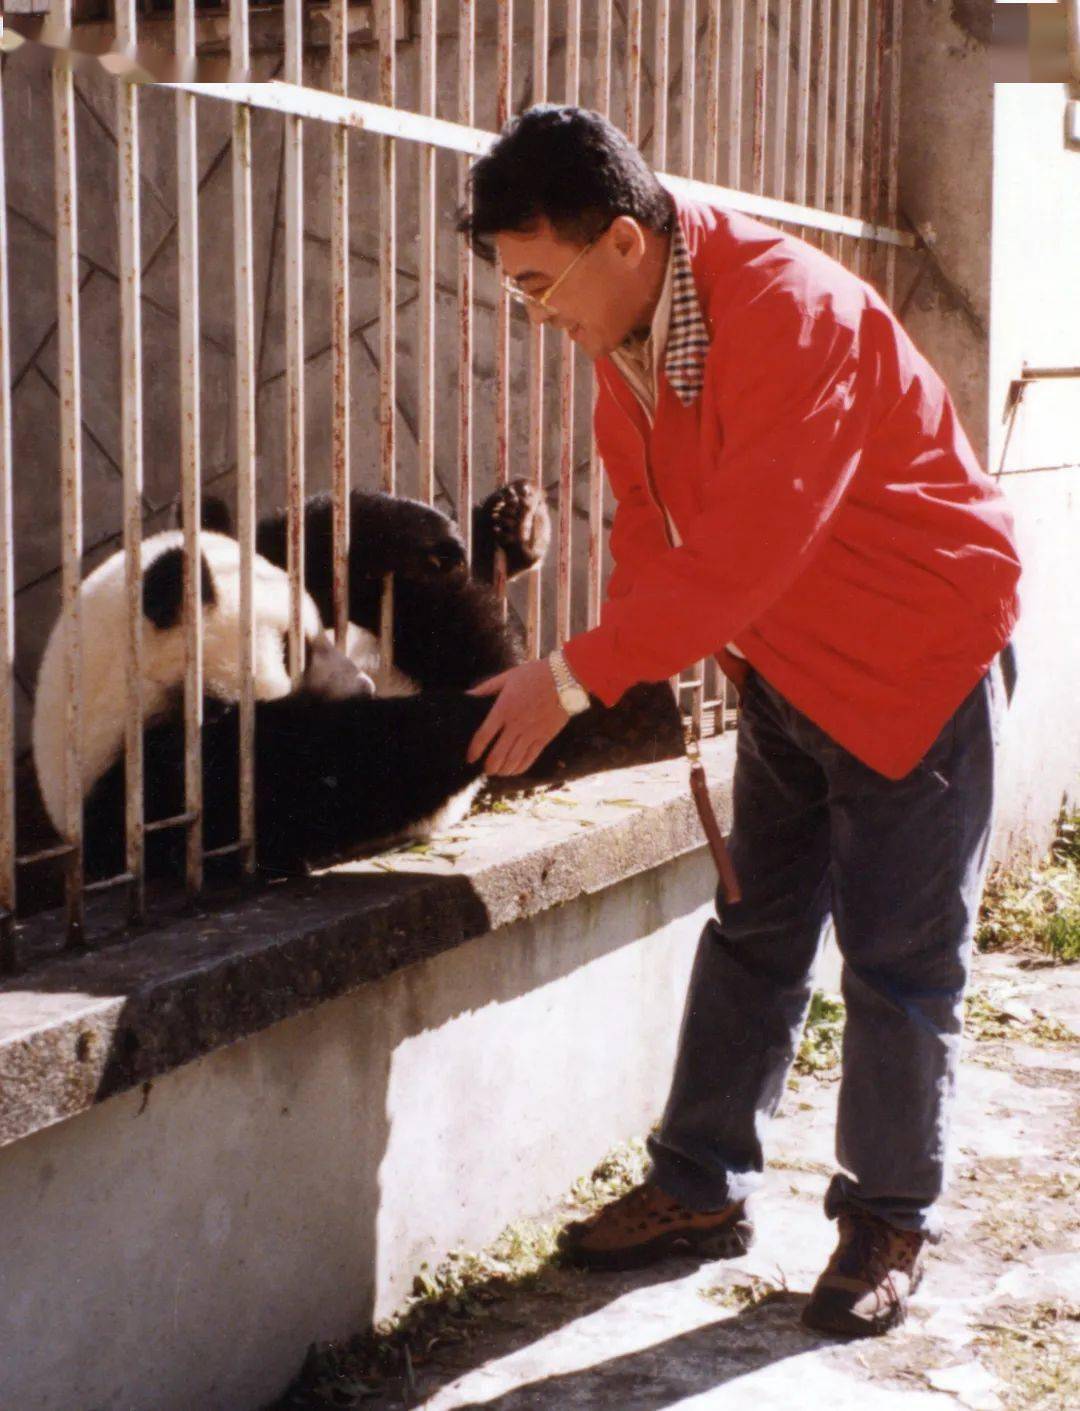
[360, 755]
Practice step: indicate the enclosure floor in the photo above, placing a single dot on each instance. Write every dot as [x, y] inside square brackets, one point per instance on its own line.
[995, 1326]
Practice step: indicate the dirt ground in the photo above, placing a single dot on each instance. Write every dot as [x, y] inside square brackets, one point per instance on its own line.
[995, 1326]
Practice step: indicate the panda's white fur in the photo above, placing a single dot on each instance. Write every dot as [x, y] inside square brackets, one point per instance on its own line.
[103, 608]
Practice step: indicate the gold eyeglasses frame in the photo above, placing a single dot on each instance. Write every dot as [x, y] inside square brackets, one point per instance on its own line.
[540, 301]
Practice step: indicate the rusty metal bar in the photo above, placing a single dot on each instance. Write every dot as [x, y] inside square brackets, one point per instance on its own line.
[244, 300]
[761, 59]
[8, 957]
[712, 94]
[735, 93]
[385, 22]
[566, 389]
[426, 428]
[131, 423]
[187, 207]
[339, 324]
[843, 63]
[661, 79]
[802, 102]
[502, 312]
[892, 206]
[595, 568]
[858, 149]
[821, 134]
[604, 29]
[70, 382]
[294, 340]
[689, 84]
[466, 70]
[876, 195]
[783, 76]
[536, 351]
[634, 20]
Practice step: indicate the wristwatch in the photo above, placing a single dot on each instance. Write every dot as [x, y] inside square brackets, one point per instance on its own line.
[572, 697]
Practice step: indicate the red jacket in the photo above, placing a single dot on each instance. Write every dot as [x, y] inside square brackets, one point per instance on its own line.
[835, 523]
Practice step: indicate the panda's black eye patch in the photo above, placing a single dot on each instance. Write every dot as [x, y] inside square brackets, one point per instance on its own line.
[163, 588]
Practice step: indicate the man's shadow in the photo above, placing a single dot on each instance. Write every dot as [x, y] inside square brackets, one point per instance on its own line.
[502, 1320]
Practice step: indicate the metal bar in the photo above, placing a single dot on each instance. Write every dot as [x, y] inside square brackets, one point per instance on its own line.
[536, 353]
[8, 957]
[131, 422]
[761, 58]
[187, 190]
[178, 820]
[712, 95]
[821, 135]
[858, 98]
[633, 69]
[244, 310]
[661, 78]
[689, 84]
[60, 850]
[876, 195]
[783, 75]
[70, 381]
[735, 93]
[802, 103]
[502, 312]
[466, 69]
[603, 57]
[355, 114]
[294, 341]
[785, 211]
[339, 323]
[839, 172]
[387, 302]
[596, 481]
[566, 389]
[426, 428]
[892, 205]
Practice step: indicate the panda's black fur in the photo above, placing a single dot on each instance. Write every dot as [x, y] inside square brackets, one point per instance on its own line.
[334, 776]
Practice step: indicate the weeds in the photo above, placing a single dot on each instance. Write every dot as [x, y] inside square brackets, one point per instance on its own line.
[1037, 911]
[819, 1050]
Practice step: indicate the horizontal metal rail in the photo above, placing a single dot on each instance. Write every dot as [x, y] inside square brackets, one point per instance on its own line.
[362, 116]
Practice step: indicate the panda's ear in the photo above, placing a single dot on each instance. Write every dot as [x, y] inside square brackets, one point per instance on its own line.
[163, 588]
[216, 516]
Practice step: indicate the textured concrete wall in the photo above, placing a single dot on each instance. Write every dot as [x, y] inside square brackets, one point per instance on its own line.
[181, 1248]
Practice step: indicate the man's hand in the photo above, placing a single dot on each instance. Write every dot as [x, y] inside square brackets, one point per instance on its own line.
[525, 717]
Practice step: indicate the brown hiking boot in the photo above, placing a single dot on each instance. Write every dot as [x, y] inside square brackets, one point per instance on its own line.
[645, 1225]
[865, 1288]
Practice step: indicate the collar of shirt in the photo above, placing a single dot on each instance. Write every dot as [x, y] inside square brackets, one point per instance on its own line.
[678, 337]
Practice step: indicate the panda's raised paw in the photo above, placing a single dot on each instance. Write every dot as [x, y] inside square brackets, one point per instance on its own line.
[519, 524]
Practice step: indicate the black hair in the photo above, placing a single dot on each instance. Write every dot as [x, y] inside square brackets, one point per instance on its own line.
[568, 165]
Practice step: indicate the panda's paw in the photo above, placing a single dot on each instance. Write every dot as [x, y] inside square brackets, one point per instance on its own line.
[521, 524]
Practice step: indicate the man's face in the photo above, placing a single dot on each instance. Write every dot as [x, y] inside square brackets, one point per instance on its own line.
[600, 299]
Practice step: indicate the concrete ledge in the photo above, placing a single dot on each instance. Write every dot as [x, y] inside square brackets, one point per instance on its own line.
[75, 1029]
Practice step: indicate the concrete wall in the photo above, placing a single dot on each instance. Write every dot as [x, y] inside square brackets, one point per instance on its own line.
[987, 177]
[181, 1249]
[1036, 320]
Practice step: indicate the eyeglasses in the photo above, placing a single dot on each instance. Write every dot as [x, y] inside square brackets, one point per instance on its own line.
[540, 301]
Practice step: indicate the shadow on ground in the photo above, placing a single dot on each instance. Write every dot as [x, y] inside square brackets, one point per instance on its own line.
[377, 1373]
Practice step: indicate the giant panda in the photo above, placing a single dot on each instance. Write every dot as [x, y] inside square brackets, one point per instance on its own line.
[358, 756]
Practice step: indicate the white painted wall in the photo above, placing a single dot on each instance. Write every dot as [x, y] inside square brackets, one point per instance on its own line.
[183, 1252]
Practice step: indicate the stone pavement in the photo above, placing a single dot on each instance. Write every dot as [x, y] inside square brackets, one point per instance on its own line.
[995, 1327]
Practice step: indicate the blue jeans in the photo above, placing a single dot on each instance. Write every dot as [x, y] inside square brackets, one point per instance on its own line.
[900, 865]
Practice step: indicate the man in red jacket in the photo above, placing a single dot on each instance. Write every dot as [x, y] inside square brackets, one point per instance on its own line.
[795, 494]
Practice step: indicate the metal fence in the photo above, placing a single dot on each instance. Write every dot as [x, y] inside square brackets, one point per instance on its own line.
[793, 107]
